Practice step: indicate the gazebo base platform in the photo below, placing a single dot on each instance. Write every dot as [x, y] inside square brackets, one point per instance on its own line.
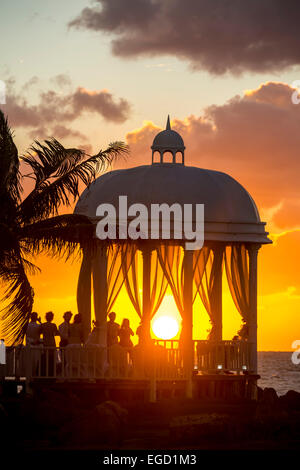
[205, 388]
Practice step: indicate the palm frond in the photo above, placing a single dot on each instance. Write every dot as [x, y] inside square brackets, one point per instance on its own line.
[19, 295]
[29, 267]
[51, 159]
[62, 186]
[60, 237]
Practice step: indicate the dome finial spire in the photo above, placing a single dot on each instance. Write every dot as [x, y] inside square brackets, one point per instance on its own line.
[168, 126]
[166, 142]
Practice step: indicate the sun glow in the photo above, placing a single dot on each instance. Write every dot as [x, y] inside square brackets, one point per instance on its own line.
[165, 327]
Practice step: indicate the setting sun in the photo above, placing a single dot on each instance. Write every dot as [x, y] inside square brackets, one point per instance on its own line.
[165, 327]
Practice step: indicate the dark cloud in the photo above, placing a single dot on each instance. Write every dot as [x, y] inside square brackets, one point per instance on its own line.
[218, 35]
[55, 110]
[101, 102]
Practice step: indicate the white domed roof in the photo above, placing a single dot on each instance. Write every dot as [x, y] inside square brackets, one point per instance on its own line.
[168, 140]
[229, 211]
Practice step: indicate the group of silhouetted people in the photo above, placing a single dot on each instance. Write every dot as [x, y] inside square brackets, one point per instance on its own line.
[117, 334]
[69, 333]
[39, 333]
[41, 338]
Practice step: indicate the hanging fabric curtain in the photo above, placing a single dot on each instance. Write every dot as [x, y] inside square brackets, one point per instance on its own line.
[204, 280]
[119, 259]
[159, 284]
[202, 262]
[207, 264]
[237, 272]
[130, 274]
[171, 261]
[110, 266]
[133, 281]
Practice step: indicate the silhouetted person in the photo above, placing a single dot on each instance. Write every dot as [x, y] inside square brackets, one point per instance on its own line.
[112, 330]
[49, 331]
[125, 333]
[73, 349]
[76, 330]
[34, 330]
[33, 342]
[64, 329]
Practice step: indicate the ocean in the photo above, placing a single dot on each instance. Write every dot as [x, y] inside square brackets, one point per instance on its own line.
[277, 371]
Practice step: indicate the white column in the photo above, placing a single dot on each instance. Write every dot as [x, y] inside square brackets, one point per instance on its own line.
[84, 291]
[100, 290]
[252, 322]
[188, 320]
[146, 311]
[216, 298]
[149, 353]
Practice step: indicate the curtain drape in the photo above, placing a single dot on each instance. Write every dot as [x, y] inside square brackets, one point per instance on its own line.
[119, 260]
[207, 265]
[237, 272]
[110, 266]
[133, 282]
[159, 284]
[171, 261]
[202, 268]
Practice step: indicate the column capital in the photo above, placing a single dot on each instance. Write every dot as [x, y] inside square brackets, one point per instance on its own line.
[253, 247]
[146, 248]
[218, 248]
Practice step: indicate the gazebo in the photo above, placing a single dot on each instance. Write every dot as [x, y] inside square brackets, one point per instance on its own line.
[233, 234]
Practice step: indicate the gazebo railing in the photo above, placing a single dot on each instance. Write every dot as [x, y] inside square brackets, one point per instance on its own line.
[223, 355]
[93, 362]
[39, 362]
[212, 356]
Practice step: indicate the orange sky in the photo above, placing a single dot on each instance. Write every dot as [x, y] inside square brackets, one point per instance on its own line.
[228, 138]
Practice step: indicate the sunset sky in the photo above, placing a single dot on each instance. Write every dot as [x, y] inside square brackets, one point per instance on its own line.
[91, 72]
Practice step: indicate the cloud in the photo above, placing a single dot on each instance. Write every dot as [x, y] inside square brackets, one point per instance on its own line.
[288, 215]
[30, 83]
[254, 137]
[59, 131]
[56, 109]
[101, 102]
[218, 36]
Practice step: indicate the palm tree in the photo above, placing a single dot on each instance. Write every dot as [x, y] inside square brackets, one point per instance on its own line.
[30, 225]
